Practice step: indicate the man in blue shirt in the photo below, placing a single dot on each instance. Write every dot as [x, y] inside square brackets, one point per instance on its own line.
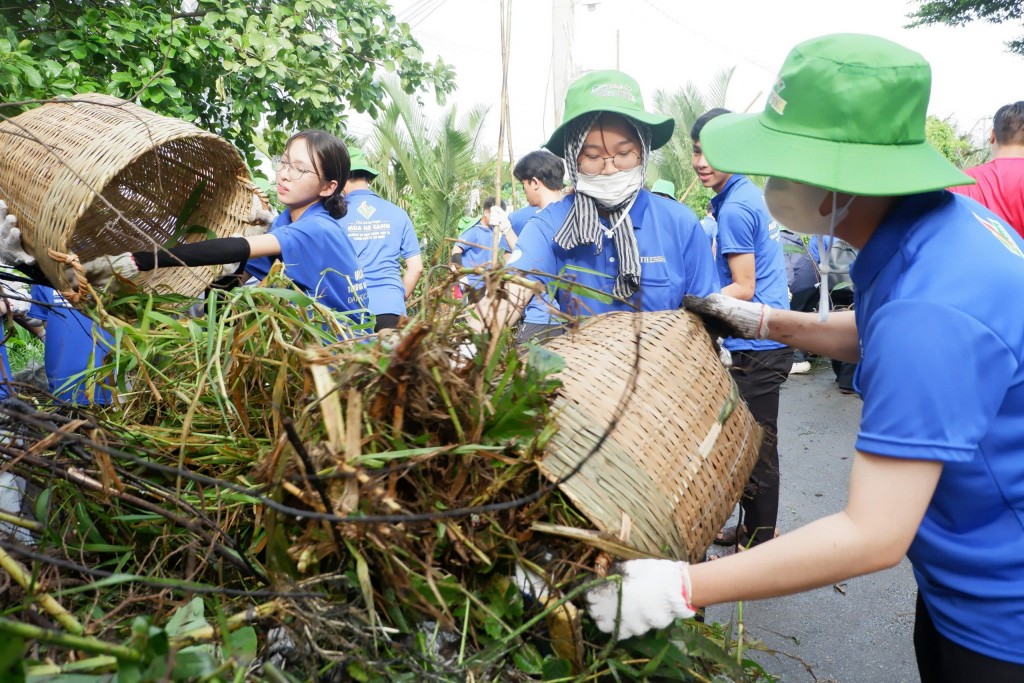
[938, 468]
[476, 244]
[73, 344]
[542, 175]
[751, 268]
[382, 235]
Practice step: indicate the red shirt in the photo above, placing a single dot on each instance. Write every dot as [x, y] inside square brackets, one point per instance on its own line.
[1000, 187]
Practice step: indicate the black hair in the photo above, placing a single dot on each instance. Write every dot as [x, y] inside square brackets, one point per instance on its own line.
[1009, 124]
[699, 124]
[332, 162]
[361, 175]
[491, 201]
[542, 165]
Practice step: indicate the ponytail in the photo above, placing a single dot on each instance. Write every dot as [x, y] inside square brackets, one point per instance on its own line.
[331, 158]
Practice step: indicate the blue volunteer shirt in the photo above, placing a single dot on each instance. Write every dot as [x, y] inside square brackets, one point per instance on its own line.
[745, 227]
[74, 344]
[476, 243]
[381, 233]
[6, 389]
[318, 256]
[542, 309]
[674, 257]
[519, 217]
[942, 378]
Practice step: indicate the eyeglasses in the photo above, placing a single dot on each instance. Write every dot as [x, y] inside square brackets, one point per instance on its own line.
[594, 164]
[294, 170]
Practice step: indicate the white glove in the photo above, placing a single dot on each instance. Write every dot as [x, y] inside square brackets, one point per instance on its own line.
[101, 271]
[724, 355]
[654, 594]
[736, 318]
[16, 296]
[12, 251]
[259, 220]
[499, 219]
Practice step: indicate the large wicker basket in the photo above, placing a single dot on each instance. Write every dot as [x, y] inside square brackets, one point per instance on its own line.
[69, 168]
[674, 463]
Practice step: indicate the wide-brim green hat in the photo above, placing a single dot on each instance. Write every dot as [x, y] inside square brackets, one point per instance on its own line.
[614, 92]
[846, 113]
[665, 187]
[359, 162]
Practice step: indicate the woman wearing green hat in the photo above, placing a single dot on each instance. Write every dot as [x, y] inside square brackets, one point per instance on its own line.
[938, 470]
[611, 235]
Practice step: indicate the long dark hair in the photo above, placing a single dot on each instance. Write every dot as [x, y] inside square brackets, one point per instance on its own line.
[332, 162]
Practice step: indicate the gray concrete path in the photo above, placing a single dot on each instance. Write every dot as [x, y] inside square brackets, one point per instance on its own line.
[862, 631]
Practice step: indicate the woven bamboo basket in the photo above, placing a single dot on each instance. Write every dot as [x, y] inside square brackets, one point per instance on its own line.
[674, 464]
[69, 168]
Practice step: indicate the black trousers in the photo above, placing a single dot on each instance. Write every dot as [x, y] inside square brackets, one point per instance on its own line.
[759, 376]
[940, 660]
[386, 321]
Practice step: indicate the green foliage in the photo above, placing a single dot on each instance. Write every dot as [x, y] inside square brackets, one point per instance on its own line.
[23, 349]
[233, 66]
[432, 167]
[963, 12]
[957, 147]
[672, 162]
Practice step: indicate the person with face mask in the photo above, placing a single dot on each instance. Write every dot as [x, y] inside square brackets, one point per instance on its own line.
[610, 235]
[938, 467]
[751, 267]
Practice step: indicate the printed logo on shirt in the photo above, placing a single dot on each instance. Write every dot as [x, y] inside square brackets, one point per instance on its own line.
[366, 210]
[652, 259]
[613, 90]
[774, 231]
[1001, 233]
[775, 101]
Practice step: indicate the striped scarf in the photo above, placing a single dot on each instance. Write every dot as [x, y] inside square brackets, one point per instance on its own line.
[582, 225]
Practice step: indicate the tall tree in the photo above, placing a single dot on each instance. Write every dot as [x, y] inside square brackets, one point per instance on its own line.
[432, 167]
[235, 67]
[672, 162]
[962, 12]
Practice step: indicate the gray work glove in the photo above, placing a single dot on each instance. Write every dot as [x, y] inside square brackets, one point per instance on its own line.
[102, 270]
[12, 251]
[725, 316]
[259, 220]
[499, 220]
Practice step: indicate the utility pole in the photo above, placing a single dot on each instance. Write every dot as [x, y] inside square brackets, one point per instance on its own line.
[561, 53]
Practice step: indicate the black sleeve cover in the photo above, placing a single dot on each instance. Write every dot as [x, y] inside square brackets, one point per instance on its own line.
[32, 272]
[457, 258]
[213, 252]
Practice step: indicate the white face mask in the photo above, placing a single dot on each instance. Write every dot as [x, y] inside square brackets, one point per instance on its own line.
[795, 205]
[611, 190]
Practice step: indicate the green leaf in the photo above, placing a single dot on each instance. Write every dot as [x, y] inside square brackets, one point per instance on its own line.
[187, 618]
[555, 669]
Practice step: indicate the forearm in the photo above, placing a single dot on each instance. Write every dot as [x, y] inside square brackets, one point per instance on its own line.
[739, 291]
[413, 271]
[888, 498]
[835, 338]
[206, 253]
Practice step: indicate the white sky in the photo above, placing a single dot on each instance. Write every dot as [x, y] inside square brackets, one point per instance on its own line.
[666, 43]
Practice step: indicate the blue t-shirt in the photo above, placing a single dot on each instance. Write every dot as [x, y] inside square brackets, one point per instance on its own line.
[710, 226]
[5, 387]
[745, 227]
[380, 233]
[942, 378]
[519, 217]
[674, 257]
[476, 243]
[318, 256]
[74, 343]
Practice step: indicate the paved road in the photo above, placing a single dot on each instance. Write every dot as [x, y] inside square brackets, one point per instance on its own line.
[862, 635]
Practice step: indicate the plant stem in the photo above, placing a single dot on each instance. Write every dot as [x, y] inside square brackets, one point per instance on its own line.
[75, 642]
[46, 601]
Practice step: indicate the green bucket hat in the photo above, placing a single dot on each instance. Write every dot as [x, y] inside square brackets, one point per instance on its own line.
[614, 92]
[665, 187]
[359, 162]
[847, 113]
